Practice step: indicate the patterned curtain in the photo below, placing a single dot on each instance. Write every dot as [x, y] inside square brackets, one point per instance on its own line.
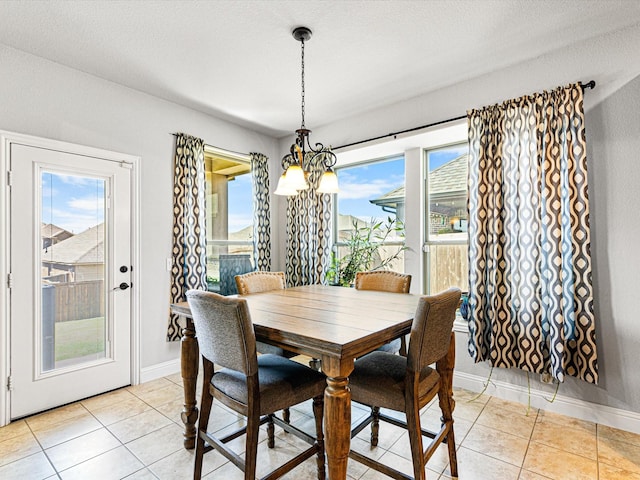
[189, 252]
[309, 231]
[531, 296]
[261, 212]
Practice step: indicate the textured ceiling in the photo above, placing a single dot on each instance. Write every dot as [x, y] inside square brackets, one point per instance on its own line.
[237, 59]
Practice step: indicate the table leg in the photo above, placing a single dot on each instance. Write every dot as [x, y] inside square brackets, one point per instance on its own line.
[337, 418]
[189, 363]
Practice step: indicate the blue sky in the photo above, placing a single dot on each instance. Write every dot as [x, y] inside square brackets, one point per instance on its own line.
[240, 203]
[72, 202]
[362, 183]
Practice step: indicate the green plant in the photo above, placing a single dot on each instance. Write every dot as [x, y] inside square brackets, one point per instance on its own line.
[363, 250]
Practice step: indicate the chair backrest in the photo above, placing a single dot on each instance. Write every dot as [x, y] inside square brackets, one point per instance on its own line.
[431, 329]
[383, 281]
[225, 331]
[230, 266]
[256, 282]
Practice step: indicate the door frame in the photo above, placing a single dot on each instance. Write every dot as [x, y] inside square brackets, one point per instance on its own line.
[6, 139]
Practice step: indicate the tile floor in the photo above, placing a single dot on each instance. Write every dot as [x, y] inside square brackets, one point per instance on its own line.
[136, 433]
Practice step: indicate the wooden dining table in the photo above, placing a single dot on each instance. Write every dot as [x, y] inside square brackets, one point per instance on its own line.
[333, 324]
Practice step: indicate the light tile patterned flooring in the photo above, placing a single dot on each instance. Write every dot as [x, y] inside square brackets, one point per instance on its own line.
[136, 433]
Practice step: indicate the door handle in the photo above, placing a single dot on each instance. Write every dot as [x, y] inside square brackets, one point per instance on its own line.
[122, 286]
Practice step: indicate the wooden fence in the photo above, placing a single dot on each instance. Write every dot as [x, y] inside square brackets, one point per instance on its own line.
[78, 300]
[448, 267]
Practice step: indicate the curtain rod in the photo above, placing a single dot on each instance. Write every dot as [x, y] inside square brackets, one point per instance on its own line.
[590, 84]
[240, 154]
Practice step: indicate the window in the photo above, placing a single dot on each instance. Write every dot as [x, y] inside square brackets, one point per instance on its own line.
[372, 193]
[446, 209]
[229, 217]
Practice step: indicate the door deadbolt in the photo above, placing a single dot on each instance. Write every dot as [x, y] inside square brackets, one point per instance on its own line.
[124, 269]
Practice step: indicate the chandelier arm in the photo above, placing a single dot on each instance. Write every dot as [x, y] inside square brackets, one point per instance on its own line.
[286, 161]
[327, 157]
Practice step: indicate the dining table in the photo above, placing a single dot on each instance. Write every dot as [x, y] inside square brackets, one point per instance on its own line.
[334, 324]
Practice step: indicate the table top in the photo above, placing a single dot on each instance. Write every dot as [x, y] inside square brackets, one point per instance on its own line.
[325, 321]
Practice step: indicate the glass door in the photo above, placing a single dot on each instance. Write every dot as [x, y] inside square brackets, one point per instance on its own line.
[70, 261]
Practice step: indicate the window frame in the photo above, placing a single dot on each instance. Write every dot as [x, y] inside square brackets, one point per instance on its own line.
[336, 244]
[211, 155]
[460, 324]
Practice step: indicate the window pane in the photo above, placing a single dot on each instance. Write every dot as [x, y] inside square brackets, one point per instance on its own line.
[447, 212]
[229, 214]
[371, 207]
[72, 270]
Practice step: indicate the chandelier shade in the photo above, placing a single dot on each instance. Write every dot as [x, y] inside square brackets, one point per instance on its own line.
[302, 155]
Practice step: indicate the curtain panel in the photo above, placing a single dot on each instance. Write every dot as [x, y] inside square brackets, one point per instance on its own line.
[530, 280]
[309, 232]
[261, 212]
[189, 253]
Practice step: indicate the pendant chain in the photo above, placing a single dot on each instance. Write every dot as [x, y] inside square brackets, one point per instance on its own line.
[302, 41]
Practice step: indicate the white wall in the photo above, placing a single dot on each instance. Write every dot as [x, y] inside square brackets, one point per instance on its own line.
[613, 136]
[45, 99]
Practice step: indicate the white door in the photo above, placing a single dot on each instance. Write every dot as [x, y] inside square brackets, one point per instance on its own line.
[70, 263]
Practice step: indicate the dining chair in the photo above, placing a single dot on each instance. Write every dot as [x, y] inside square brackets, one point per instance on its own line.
[253, 386]
[384, 380]
[386, 281]
[256, 282]
[261, 281]
[230, 266]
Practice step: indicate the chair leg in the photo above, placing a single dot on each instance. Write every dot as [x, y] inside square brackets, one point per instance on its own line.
[403, 346]
[270, 432]
[375, 425]
[415, 441]
[446, 406]
[205, 411]
[251, 447]
[453, 458]
[318, 408]
[445, 366]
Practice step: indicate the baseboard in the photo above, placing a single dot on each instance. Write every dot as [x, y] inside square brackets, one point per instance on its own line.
[571, 407]
[159, 370]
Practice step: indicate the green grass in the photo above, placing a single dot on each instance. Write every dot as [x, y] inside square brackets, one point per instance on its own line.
[78, 338]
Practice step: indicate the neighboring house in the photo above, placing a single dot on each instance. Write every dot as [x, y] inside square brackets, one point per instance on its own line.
[52, 234]
[392, 202]
[81, 256]
[447, 197]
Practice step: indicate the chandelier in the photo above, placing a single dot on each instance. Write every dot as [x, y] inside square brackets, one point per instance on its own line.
[302, 156]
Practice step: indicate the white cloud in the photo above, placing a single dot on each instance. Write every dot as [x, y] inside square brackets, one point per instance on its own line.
[352, 189]
[72, 221]
[88, 204]
[75, 179]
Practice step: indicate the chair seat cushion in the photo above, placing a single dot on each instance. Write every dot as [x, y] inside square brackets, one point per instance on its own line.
[283, 383]
[378, 379]
[392, 347]
[272, 349]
